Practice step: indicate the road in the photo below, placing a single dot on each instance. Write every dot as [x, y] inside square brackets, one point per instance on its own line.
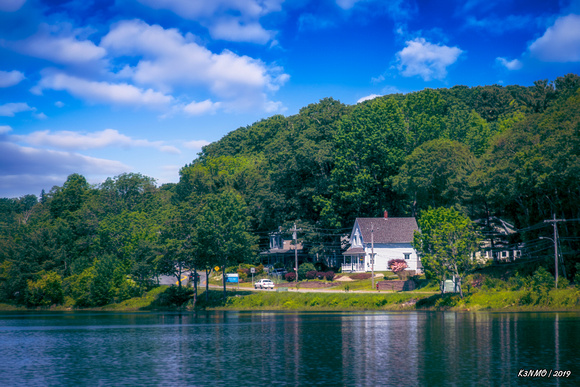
[172, 280]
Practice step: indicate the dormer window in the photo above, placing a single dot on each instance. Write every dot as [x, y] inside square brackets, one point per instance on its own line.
[357, 240]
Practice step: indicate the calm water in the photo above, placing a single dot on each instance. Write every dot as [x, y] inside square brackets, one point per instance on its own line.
[297, 349]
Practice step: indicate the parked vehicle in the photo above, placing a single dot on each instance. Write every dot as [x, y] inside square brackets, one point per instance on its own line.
[278, 272]
[264, 284]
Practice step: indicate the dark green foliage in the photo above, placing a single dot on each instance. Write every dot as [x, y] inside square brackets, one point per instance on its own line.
[446, 243]
[511, 152]
[174, 296]
[303, 269]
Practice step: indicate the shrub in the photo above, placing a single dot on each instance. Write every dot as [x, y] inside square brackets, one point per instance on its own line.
[175, 296]
[311, 274]
[243, 274]
[290, 277]
[398, 267]
[329, 275]
[320, 274]
[46, 291]
[305, 268]
[563, 283]
[518, 282]
[259, 269]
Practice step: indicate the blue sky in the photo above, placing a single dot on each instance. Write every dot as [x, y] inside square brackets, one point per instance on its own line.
[112, 86]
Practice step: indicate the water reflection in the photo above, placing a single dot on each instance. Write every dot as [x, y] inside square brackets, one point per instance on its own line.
[241, 348]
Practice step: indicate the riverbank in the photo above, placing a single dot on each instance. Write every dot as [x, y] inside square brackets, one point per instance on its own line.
[324, 300]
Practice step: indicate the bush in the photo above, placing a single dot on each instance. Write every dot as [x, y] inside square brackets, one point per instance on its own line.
[290, 277]
[174, 296]
[46, 291]
[243, 274]
[305, 268]
[563, 283]
[320, 274]
[311, 274]
[329, 275]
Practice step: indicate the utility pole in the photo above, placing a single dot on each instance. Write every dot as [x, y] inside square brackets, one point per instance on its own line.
[556, 263]
[373, 255]
[295, 237]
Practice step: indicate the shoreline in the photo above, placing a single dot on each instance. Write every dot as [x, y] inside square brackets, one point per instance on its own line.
[315, 300]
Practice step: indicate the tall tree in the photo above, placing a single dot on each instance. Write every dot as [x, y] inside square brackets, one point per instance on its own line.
[436, 174]
[446, 244]
[370, 147]
[222, 231]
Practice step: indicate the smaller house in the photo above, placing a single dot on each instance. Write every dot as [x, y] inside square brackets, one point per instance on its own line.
[498, 244]
[389, 238]
[282, 250]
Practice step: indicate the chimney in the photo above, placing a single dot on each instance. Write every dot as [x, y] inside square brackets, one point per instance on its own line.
[386, 214]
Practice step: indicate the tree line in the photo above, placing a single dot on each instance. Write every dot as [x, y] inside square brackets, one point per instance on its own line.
[511, 152]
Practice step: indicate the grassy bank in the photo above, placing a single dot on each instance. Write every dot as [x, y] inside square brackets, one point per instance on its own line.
[476, 300]
[322, 301]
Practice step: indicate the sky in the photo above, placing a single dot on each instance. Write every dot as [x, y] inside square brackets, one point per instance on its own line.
[105, 87]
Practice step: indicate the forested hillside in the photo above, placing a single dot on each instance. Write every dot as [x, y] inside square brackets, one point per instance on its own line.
[511, 152]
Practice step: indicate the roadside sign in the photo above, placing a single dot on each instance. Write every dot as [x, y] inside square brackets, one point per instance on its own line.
[232, 278]
[253, 270]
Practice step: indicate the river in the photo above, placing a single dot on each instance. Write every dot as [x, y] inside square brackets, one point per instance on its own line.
[228, 348]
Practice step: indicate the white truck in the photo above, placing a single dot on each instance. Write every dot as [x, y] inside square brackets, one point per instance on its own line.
[264, 284]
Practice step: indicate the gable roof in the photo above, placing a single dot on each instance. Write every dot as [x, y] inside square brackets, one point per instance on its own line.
[387, 230]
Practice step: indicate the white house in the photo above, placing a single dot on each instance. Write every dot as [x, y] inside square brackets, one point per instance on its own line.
[390, 238]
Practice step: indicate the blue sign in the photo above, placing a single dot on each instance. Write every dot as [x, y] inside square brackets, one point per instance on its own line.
[232, 278]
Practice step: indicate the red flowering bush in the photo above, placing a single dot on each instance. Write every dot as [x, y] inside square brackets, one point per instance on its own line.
[290, 277]
[311, 274]
[398, 267]
[329, 275]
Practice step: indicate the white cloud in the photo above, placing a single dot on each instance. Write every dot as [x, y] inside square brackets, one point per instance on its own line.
[427, 60]
[11, 5]
[81, 141]
[510, 65]
[26, 170]
[10, 78]
[198, 108]
[170, 149]
[234, 30]
[61, 47]
[368, 98]
[232, 20]
[10, 109]
[5, 129]
[170, 60]
[560, 42]
[196, 144]
[103, 92]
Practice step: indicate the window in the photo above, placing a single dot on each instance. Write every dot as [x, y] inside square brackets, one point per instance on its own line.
[407, 255]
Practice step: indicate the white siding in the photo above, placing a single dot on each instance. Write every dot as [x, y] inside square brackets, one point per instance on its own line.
[385, 252]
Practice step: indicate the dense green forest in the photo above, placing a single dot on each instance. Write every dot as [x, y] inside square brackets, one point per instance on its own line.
[506, 151]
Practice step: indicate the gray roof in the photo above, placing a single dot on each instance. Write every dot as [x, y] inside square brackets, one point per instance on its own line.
[388, 230]
[354, 251]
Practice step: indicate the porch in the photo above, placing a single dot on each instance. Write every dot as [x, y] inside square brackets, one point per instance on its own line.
[353, 261]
